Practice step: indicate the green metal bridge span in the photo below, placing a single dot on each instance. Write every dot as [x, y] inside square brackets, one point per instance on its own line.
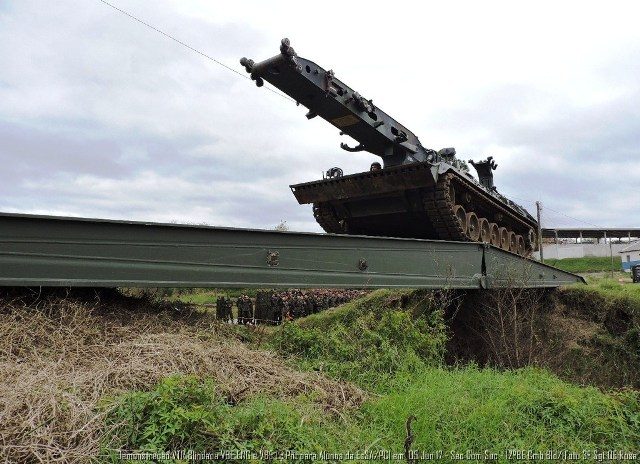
[77, 252]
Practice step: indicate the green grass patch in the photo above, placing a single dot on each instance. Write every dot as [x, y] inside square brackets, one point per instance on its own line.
[473, 409]
[188, 413]
[198, 296]
[589, 264]
[456, 410]
[604, 298]
[614, 288]
[370, 340]
[202, 296]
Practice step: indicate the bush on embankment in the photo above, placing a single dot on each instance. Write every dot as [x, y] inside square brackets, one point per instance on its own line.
[192, 413]
[370, 340]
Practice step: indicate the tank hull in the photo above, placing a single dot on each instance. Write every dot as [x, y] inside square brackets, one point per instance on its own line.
[421, 200]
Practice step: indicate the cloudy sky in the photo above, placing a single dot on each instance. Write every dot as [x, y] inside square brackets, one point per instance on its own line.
[102, 117]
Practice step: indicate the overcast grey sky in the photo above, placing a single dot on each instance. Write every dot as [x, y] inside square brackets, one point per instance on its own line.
[102, 117]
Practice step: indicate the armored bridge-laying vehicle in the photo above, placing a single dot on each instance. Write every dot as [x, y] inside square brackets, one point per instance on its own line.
[417, 192]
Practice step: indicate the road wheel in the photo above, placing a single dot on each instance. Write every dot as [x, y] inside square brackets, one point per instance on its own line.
[504, 238]
[473, 226]
[494, 234]
[531, 241]
[513, 244]
[485, 231]
[461, 216]
[520, 246]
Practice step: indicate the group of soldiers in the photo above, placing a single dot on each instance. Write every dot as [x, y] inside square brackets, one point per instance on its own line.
[273, 307]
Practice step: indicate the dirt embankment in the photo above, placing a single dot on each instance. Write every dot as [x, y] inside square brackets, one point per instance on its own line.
[578, 333]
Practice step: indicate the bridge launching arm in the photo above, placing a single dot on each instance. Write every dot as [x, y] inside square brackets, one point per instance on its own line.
[328, 97]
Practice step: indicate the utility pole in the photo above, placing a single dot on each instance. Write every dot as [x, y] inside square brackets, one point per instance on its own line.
[539, 210]
[611, 252]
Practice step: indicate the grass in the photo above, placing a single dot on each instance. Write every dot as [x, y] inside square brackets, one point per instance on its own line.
[463, 408]
[604, 298]
[210, 295]
[482, 409]
[195, 296]
[76, 379]
[369, 341]
[189, 413]
[207, 296]
[392, 344]
[590, 264]
[458, 410]
[620, 286]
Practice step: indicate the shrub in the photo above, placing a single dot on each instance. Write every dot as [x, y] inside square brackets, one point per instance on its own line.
[188, 413]
[369, 340]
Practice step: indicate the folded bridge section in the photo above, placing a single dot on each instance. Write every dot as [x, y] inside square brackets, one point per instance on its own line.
[77, 252]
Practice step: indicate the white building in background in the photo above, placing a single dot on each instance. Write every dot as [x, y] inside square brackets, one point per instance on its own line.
[630, 255]
[574, 242]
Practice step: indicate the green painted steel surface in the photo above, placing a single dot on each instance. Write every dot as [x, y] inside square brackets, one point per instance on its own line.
[61, 251]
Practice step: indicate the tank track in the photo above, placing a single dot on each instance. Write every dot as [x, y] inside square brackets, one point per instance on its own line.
[439, 206]
[452, 222]
[328, 220]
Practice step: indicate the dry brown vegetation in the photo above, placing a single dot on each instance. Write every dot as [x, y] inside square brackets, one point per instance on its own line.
[61, 355]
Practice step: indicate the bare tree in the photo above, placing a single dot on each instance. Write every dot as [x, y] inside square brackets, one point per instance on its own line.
[512, 319]
[282, 226]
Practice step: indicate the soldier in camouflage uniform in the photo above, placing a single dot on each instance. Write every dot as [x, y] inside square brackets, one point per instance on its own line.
[223, 309]
[245, 309]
